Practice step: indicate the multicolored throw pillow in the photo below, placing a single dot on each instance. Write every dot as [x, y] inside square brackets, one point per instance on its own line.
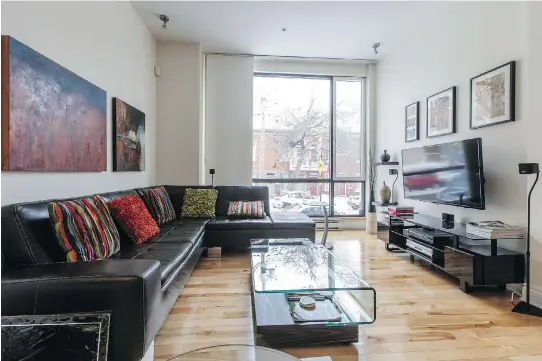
[134, 218]
[159, 204]
[84, 229]
[248, 209]
[199, 203]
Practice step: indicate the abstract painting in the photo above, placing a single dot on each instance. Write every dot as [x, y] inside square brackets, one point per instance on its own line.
[128, 137]
[492, 96]
[441, 113]
[412, 122]
[52, 119]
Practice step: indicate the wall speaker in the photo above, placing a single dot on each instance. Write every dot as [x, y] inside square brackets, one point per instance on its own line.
[528, 168]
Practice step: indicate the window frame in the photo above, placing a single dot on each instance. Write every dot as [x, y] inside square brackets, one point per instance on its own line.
[332, 179]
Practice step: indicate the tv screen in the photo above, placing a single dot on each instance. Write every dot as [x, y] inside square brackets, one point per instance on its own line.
[448, 173]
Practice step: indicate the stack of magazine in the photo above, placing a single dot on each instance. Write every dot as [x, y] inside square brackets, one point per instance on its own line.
[494, 230]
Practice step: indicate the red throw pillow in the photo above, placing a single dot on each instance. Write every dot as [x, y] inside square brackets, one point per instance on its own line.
[134, 218]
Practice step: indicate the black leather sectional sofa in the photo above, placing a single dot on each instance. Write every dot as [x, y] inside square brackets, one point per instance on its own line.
[140, 284]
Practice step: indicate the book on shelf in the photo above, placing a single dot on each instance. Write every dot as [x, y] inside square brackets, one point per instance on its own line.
[494, 229]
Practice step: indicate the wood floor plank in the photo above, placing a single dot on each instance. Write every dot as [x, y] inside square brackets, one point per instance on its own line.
[421, 313]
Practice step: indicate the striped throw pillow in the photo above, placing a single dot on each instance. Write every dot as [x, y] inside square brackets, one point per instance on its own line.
[84, 229]
[159, 204]
[249, 209]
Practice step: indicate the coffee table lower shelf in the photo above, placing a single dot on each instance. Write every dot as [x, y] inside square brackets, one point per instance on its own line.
[273, 328]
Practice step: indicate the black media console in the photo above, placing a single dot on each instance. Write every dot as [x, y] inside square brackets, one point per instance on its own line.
[475, 262]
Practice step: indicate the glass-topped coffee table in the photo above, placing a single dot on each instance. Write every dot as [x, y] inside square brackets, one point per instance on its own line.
[234, 353]
[284, 271]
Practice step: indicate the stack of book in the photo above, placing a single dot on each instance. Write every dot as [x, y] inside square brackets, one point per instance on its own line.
[398, 211]
[494, 230]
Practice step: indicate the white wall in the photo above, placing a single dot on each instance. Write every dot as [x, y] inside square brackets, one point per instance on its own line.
[457, 42]
[533, 126]
[107, 44]
[228, 118]
[179, 113]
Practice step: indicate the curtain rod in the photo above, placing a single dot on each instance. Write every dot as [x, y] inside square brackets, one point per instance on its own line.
[373, 61]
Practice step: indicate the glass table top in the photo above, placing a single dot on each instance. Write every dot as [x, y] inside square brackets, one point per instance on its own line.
[235, 353]
[300, 267]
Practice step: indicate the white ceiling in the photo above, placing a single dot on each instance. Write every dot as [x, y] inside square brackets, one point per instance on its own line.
[329, 29]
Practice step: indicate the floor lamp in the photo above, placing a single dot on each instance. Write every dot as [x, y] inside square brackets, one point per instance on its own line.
[525, 307]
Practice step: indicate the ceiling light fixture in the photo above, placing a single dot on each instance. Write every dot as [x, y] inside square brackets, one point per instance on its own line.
[283, 29]
[375, 47]
[165, 19]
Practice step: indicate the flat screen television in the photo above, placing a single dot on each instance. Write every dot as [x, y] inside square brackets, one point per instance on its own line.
[447, 173]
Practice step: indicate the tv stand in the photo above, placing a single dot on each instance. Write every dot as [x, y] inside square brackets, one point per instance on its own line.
[474, 262]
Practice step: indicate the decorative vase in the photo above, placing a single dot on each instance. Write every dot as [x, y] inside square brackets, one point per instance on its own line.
[385, 193]
[385, 157]
[372, 207]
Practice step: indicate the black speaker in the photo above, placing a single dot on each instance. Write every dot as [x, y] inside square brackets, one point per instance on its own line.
[447, 218]
[528, 168]
[212, 171]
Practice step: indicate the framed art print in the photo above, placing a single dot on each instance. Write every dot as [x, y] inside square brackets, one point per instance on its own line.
[412, 122]
[441, 113]
[492, 96]
[128, 137]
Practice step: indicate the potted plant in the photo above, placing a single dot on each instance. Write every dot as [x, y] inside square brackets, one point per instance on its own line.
[371, 222]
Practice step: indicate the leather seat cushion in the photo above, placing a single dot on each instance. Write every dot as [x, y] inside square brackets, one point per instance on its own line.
[228, 223]
[291, 220]
[170, 247]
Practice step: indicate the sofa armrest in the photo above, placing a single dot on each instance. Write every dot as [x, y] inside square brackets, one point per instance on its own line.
[130, 289]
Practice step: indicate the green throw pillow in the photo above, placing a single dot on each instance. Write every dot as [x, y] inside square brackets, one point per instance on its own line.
[199, 203]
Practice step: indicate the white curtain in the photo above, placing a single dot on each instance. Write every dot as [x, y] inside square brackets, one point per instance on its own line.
[228, 118]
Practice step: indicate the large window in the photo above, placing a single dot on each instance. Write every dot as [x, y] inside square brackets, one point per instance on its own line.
[309, 143]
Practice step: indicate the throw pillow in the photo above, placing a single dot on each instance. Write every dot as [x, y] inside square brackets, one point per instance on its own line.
[84, 229]
[199, 203]
[134, 218]
[249, 209]
[159, 204]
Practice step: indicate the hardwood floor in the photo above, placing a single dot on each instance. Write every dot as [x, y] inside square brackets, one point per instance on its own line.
[421, 313]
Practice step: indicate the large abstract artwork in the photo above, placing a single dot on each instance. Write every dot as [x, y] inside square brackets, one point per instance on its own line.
[52, 119]
[128, 137]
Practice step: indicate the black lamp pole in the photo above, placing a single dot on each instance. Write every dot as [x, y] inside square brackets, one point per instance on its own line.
[525, 307]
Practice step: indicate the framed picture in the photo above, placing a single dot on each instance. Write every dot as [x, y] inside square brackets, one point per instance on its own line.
[441, 113]
[52, 119]
[493, 96]
[412, 122]
[75, 336]
[128, 137]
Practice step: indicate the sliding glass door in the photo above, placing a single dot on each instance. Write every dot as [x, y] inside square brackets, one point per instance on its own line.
[308, 143]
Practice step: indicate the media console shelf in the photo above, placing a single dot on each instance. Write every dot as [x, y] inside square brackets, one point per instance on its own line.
[475, 262]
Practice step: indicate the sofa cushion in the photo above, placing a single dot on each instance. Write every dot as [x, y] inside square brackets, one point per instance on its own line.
[199, 203]
[246, 209]
[228, 223]
[169, 258]
[134, 218]
[84, 229]
[170, 247]
[291, 220]
[176, 194]
[227, 194]
[159, 205]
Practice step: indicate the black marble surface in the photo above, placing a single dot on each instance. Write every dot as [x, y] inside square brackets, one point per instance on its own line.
[66, 337]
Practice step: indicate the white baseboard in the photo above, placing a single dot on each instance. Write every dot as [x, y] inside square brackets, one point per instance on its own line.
[149, 355]
[536, 296]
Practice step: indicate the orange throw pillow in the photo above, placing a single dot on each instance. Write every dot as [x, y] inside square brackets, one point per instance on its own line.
[134, 218]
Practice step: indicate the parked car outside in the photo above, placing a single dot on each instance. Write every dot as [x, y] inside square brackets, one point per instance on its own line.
[354, 200]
